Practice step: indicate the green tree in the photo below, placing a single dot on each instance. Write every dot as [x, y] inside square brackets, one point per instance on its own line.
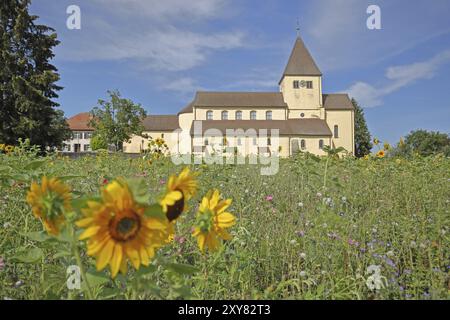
[28, 79]
[363, 140]
[424, 143]
[116, 120]
[97, 143]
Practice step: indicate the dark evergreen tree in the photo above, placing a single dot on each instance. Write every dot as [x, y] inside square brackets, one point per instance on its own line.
[363, 143]
[28, 79]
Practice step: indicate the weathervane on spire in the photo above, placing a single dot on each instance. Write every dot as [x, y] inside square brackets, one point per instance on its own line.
[298, 28]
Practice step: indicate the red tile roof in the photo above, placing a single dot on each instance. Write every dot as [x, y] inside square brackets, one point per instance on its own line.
[80, 122]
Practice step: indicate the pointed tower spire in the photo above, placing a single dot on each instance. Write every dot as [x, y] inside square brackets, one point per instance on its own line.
[301, 63]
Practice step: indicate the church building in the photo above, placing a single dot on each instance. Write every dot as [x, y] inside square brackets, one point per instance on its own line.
[300, 117]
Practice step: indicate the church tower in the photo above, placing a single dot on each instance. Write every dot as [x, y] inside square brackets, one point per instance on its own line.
[301, 84]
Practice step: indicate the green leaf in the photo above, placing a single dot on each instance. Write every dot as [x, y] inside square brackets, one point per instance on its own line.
[96, 278]
[33, 165]
[155, 211]
[64, 236]
[39, 236]
[29, 256]
[62, 254]
[139, 189]
[182, 268]
[146, 270]
[5, 169]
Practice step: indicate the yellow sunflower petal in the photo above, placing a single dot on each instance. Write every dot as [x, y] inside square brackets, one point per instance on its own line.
[89, 232]
[223, 205]
[105, 255]
[225, 220]
[123, 266]
[116, 260]
[201, 240]
[133, 254]
[144, 256]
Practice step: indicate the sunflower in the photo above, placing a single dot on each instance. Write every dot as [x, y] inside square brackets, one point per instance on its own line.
[381, 154]
[2, 146]
[179, 190]
[118, 230]
[212, 221]
[9, 149]
[48, 202]
[376, 141]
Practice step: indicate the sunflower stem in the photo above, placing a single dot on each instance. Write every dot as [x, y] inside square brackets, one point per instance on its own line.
[325, 174]
[76, 252]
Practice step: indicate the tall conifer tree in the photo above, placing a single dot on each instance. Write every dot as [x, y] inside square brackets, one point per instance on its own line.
[28, 86]
[363, 143]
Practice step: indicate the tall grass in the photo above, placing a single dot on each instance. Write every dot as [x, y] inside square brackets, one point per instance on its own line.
[308, 240]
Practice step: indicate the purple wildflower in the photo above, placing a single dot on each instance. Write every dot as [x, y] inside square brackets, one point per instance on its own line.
[300, 233]
[389, 262]
[353, 242]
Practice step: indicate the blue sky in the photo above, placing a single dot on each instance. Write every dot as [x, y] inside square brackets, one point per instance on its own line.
[158, 53]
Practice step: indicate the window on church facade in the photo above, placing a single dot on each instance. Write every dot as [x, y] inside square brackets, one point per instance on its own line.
[336, 131]
[320, 144]
[269, 115]
[253, 115]
[238, 115]
[303, 144]
[209, 115]
[296, 84]
[224, 115]
[309, 84]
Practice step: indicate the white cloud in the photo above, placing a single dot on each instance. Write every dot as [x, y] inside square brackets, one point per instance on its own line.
[341, 40]
[398, 77]
[155, 34]
[162, 10]
[184, 86]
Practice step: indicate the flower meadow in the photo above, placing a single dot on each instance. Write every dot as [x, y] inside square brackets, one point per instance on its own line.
[109, 226]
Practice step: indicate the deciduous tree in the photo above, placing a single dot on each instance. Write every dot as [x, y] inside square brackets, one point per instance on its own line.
[116, 120]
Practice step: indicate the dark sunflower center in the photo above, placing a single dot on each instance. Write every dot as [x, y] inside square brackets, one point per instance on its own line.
[125, 226]
[173, 212]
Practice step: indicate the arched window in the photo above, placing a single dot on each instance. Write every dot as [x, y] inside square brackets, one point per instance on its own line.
[209, 115]
[320, 144]
[336, 131]
[238, 115]
[224, 115]
[269, 115]
[303, 144]
[253, 115]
